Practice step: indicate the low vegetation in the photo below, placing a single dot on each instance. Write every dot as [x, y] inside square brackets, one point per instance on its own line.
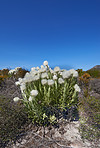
[94, 73]
[89, 106]
[13, 116]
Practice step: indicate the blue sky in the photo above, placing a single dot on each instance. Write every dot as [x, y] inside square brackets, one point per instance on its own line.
[66, 33]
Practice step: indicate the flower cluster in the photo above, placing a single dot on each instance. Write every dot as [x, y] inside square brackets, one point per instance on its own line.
[43, 87]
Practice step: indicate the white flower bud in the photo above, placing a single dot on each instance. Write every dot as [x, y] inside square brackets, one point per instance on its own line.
[66, 74]
[44, 81]
[16, 99]
[42, 70]
[42, 66]
[33, 68]
[36, 77]
[44, 75]
[56, 69]
[20, 80]
[17, 83]
[27, 74]
[50, 82]
[60, 81]
[37, 68]
[74, 72]
[45, 63]
[34, 92]
[54, 77]
[77, 88]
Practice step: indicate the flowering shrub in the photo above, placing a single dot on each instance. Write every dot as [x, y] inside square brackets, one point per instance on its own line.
[85, 78]
[47, 92]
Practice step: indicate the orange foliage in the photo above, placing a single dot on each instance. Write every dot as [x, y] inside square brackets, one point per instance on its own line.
[85, 78]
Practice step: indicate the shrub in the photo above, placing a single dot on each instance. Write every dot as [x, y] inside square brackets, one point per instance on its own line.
[18, 72]
[94, 73]
[80, 72]
[4, 72]
[85, 78]
[46, 92]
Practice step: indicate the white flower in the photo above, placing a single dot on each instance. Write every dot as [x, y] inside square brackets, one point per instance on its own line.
[44, 75]
[56, 69]
[74, 72]
[33, 68]
[26, 79]
[16, 99]
[42, 66]
[34, 72]
[66, 74]
[54, 77]
[37, 68]
[30, 98]
[50, 82]
[60, 73]
[36, 77]
[34, 92]
[44, 81]
[11, 71]
[22, 87]
[60, 81]
[42, 69]
[17, 83]
[17, 68]
[77, 88]
[20, 80]
[27, 74]
[45, 63]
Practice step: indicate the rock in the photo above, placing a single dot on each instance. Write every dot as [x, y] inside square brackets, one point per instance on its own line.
[95, 85]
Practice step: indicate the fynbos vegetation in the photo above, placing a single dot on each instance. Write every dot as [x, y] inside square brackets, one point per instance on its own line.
[46, 93]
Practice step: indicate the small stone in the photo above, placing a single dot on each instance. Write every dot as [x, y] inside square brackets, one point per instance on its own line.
[17, 144]
[23, 141]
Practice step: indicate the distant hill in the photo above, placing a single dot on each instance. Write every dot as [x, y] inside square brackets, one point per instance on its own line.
[97, 67]
[94, 72]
